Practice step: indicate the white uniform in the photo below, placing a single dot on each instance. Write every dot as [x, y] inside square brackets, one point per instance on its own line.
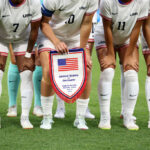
[94, 23]
[145, 47]
[66, 20]
[14, 24]
[123, 17]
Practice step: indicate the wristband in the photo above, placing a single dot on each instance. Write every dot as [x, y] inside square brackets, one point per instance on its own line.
[28, 55]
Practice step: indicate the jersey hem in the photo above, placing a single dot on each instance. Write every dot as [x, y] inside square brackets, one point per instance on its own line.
[90, 13]
[109, 19]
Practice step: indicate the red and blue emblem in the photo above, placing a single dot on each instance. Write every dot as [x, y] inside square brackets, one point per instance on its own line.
[68, 74]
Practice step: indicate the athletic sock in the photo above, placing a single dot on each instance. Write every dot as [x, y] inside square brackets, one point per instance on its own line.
[13, 83]
[26, 92]
[147, 92]
[1, 77]
[37, 77]
[131, 91]
[60, 103]
[105, 91]
[122, 82]
[47, 105]
[81, 106]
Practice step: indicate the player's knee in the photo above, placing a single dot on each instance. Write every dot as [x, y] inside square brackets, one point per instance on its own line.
[131, 83]
[107, 74]
[129, 67]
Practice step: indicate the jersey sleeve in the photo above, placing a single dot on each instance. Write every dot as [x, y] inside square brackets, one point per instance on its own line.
[93, 6]
[105, 10]
[49, 7]
[143, 14]
[36, 11]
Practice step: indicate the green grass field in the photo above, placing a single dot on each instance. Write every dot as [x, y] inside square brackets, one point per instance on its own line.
[64, 136]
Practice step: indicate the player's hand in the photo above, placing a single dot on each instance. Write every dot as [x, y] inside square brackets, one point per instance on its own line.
[89, 61]
[107, 61]
[130, 63]
[61, 47]
[28, 64]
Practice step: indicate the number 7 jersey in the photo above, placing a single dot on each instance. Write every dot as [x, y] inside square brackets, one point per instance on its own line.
[123, 17]
[15, 20]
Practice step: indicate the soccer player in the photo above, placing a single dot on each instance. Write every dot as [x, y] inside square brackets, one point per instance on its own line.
[19, 25]
[122, 20]
[146, 53]
[66, 24]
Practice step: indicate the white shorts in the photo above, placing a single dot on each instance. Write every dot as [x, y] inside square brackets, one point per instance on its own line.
[145, 47]
[91, 37]
[18, 48]
[46, 45]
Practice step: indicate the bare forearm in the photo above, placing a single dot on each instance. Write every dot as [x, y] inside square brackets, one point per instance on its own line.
[146, 31]
[134, 37]
[31, 41]
[48, 32]
[108, 36]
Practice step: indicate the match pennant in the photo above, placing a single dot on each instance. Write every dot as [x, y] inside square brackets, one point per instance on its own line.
[68, 74]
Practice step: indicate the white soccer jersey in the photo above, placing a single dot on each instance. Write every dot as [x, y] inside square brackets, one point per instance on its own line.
[15, 20]
[67, 16]
[123, 17]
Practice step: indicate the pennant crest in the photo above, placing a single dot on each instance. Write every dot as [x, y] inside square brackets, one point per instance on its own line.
[68, 74]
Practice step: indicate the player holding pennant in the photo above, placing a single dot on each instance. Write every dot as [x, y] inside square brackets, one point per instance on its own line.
[17, 17]
[66, 25]
[146, 53]
[122, 20]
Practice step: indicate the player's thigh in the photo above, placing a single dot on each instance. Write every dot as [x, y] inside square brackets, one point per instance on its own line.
[19, 52]
[3, 55]
[147, 60]
[44, 59]
[122, 55]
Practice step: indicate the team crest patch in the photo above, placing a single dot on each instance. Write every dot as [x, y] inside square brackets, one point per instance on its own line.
[68, 74]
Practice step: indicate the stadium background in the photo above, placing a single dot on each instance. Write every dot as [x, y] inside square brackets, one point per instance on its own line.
[64, 136]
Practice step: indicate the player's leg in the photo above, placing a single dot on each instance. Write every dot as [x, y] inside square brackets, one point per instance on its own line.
[47, 92]
[147, 83]
[105, 91]
[60, 111]
[122, 83]
[105, 81]
[37, 77]
[13, 84]
[26, 83]
[122, 93]
[3, 58]
[131, 89]
[82, 104]
[88, 113]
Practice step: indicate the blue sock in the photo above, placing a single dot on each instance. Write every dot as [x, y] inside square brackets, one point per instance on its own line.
[37, 77]
[13, 83]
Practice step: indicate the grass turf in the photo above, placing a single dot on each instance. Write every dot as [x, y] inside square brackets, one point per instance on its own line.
[64, 136]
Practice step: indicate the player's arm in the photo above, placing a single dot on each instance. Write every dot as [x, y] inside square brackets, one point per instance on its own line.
[132, 44]
[33, 35]
[108, 60]
[146, 30]
[48, 32]
[84, 35]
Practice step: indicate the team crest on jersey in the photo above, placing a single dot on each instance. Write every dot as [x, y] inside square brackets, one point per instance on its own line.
[68, 74]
